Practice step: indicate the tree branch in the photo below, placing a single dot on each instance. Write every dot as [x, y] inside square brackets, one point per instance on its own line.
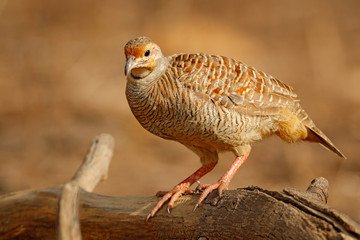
[247, 213]
[96, 163]
[93, 169]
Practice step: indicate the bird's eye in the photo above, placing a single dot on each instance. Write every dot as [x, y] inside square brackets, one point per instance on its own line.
[147, 53]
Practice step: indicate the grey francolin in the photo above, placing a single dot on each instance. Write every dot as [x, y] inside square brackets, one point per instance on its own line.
[210, 104]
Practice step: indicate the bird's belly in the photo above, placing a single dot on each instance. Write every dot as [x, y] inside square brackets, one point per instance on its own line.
[221, 129]
[192, 121]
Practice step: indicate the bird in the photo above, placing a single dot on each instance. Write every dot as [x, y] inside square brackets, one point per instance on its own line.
[210, 104]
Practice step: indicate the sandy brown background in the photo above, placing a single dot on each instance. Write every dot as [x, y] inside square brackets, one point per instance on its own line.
[62, 83]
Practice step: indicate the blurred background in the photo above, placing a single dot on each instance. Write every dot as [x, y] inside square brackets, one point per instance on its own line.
[62, 83]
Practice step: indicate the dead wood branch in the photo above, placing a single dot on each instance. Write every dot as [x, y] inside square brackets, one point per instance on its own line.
[93, 169]
[96, 163]
[68, 213]
[248, 213]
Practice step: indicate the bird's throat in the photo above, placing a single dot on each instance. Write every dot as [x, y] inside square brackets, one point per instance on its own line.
[139, 73]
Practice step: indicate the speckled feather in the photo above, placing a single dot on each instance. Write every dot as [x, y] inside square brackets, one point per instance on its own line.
[218, 102]
[233, 84]
[239, 87]
[210, 104]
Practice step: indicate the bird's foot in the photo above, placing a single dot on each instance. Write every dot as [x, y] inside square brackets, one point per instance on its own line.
[206, 189]
[180, 189]
[163, 193]
[173, 195]
[223, 183]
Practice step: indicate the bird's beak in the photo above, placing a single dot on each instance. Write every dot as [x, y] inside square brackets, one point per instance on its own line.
[129, 64]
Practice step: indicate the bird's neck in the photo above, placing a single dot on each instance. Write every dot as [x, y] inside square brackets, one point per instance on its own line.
[140, 89]
[144, 78]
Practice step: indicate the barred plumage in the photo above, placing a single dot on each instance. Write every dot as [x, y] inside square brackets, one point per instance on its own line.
[211, 103]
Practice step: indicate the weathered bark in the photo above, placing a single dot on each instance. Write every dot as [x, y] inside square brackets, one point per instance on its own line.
[248, 213]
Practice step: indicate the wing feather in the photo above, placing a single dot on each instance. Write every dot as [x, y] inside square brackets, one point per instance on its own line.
[233, 84]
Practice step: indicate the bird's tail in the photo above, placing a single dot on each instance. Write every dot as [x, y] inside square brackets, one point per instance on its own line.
[316, 135]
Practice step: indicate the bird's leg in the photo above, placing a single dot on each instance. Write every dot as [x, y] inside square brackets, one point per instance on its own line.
[223, 182]
[181, 188]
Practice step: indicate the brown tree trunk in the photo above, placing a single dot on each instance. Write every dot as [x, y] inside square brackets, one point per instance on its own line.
[248, 213]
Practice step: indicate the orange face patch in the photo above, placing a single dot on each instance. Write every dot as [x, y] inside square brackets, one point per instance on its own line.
[137, 46]
[127, 52]
[136, 52]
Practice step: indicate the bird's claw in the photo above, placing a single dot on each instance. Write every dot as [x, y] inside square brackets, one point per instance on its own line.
[173, 195]
[206, 189]
[195, 207]
[201, 187]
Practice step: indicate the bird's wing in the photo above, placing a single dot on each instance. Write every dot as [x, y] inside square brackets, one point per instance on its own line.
[234, 85]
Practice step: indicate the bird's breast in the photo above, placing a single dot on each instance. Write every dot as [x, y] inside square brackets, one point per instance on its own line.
[170, 111]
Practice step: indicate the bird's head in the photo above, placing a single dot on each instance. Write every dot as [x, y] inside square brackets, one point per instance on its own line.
[141, 55]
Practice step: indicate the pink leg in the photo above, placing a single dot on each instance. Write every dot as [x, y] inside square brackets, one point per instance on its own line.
[223, 182]
[181, 188]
